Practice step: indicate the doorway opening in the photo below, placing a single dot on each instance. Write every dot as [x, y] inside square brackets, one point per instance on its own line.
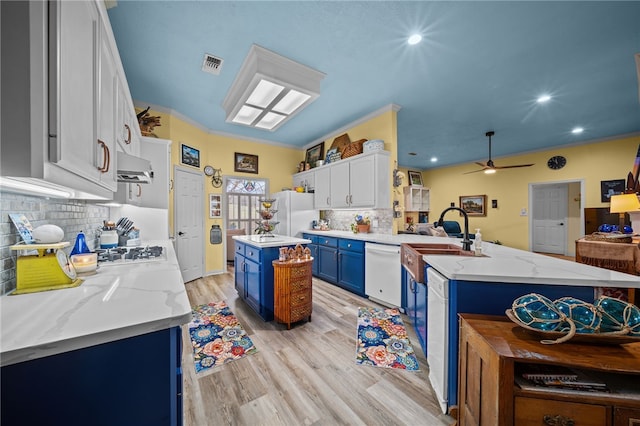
[557, 216]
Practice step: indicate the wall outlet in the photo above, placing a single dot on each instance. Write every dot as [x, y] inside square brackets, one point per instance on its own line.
[374, 223]
[523, 211]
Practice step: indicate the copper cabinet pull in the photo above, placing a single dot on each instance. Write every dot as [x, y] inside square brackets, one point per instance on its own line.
[139, 190]
[558, 420]
[106, 158]
[128, 138]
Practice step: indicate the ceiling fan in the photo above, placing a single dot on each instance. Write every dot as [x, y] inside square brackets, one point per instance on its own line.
[489, 167]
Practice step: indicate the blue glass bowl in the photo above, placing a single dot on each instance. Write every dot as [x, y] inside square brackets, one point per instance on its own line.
[585, 316]
[627, 229]
[604, 228]
[537, 311]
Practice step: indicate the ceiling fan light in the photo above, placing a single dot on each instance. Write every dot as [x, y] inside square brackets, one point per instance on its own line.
[489, 171]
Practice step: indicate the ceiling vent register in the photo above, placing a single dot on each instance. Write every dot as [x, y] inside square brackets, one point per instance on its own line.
[212, 64]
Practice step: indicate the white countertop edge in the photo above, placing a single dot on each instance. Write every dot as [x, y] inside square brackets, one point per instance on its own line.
[275, 241]
[82, 342]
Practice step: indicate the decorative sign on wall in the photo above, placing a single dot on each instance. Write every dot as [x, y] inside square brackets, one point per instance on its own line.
[215, 206]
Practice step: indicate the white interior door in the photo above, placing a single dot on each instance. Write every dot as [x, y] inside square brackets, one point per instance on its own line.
[549, 218]
[189, 222]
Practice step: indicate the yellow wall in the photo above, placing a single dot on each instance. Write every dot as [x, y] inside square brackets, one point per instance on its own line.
[592, 162]
[275, 163]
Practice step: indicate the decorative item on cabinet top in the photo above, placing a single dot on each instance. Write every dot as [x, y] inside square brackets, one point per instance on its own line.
[354, 148]
[415, 178]
[314, 154]
[147, 122]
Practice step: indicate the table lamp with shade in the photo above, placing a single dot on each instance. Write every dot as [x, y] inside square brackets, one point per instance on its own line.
[624, 203]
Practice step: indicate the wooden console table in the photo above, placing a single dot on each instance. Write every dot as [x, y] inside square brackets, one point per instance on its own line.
[621, 257]
[494, 350]
[292, 290]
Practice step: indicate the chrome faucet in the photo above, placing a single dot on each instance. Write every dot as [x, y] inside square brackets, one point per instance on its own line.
[466, 242]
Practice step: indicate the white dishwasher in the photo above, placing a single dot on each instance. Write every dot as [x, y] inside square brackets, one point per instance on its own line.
[382, 274]
[438, 335]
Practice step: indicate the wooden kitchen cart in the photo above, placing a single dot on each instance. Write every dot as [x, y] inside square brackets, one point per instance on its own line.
[292, 290]
[494, 352]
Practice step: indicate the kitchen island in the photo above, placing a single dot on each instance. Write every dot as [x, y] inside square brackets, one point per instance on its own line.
[480, 285]
[253, 269]
[106, 352]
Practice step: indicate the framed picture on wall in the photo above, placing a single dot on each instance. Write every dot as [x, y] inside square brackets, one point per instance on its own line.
[314, 154]
[215, 206]
[474, 205]
[609, 188]
[415, 178]
[245, 163]
[190, 156]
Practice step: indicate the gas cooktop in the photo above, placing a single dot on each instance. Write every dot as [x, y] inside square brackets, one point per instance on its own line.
[120, 255]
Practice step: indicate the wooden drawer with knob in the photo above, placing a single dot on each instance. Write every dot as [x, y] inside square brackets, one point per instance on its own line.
[536, 412]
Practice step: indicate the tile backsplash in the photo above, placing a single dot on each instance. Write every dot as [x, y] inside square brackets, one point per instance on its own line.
[72, 216]
[341, 220]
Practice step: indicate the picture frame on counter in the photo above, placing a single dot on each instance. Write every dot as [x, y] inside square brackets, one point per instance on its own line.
[415, 178]
[474, 205]
[215, 206]
[245, 163]
[609, 188]
[190, 156]
[314, 154]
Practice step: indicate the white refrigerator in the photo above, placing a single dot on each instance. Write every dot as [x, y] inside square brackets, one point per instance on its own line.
[295, 212]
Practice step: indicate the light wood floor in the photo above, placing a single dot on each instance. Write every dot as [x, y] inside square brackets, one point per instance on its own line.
[306, 375]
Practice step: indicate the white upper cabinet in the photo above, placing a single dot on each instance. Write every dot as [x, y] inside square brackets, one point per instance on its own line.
[73, 38]
[62, 72]
[362, 181]
[305, 179]
[416, 199]
[322, 194]
[156, 193]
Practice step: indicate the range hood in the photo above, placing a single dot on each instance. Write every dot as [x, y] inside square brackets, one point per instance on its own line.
[133, 169]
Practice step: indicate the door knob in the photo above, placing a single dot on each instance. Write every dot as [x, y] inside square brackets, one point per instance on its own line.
[181, 233]
[561, 224]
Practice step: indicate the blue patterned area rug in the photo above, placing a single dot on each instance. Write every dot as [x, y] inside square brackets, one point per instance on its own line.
[383, 340]
[217, 337]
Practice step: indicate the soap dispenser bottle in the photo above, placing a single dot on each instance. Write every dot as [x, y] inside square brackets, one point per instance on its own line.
[477, 244]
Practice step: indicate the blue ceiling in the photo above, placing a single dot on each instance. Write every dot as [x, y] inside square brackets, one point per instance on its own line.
[480, 66]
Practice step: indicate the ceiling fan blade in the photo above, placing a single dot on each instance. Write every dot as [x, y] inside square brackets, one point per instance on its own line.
[513, 167]
[476, 171]
[481, 164]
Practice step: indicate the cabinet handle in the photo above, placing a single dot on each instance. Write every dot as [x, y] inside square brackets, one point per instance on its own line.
[328, 203]
[346, 199]
[349, 245]
[106, 157]
[350, 199]
[558, 420]
[139, 190]
[128, 138]
[412, 287]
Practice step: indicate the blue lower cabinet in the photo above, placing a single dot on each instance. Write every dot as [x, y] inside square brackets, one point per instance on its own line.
[313, 246]
[420, 323]
[254, 277]
[340, 261]
[132, 381]
[351, 271]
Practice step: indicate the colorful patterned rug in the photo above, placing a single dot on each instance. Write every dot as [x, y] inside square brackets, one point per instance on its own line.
[217, 337]
[383, 340]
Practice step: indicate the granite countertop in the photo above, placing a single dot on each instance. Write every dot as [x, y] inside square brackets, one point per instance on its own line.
[118, 302]
[270, 241]
[501, 263]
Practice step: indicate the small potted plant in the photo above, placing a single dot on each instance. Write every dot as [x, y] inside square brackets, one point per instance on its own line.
[361, 224]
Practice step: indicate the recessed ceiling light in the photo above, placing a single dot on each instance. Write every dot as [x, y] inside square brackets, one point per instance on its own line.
[577, 130]
[414, 39]
[434, 159]
[544, 98]
[413, 153]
